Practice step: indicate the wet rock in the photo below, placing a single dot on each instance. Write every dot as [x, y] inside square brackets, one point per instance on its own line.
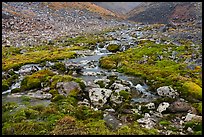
[118, 87]
[89, 73]
[98, 96]
[112, 122]
[28, 69]
[162, 106]
[40, 95]
[73, 67]
[167, 91]
[64, 88]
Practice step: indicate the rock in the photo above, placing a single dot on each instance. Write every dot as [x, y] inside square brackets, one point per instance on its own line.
[89, 73]
[162, 106]
[98, 96]
[140, 88]
[40, 95]
[167, 91]
[150, 106]
[118, 87]
[147, 122]
[102, 82]
[179, 106]
[112, 122]
[64, 88]
[190, 117]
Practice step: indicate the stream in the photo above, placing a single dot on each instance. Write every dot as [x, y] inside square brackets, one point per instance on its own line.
[89, 62]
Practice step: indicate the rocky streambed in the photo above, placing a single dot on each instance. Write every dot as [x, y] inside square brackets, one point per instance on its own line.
[123, 100]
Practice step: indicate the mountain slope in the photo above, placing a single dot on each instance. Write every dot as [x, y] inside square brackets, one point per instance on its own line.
[163, 12]
[29, 23]
[118, 7]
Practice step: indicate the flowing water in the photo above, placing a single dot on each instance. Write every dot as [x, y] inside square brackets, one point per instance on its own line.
[91, 70]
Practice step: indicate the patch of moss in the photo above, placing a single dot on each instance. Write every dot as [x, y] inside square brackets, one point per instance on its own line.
[34, 81]
[59, 66]
[164, 123]
[198, 107]
[113, 47]
[40, 54]
[9, 106]
[143, 61]
[193, 89]
[5, 85]
[26, 128]
[125, 94]
[107, 64]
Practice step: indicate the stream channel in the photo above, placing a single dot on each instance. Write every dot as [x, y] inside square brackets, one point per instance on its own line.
[89, 62]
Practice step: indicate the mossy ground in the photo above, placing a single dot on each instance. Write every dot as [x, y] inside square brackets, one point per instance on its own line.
[143, 61]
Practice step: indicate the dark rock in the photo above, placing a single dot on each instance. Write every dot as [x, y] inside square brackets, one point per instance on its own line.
[178, 106]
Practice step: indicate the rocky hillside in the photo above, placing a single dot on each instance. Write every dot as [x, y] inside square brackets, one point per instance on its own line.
[163, 12]
[118, 7]
[30, 23]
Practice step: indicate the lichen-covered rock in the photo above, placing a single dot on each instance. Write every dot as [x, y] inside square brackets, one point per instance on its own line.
[163, 106]
[167, 91]
[150, 106]
[65, 88]
[98, 96]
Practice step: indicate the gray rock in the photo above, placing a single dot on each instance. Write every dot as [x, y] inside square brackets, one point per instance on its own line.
[64, 88]
[98, 96]
[147, 122]
[162, 106]
[190, 117]
[112, 122]
[150, 106]
[179, 106]
[167, 91]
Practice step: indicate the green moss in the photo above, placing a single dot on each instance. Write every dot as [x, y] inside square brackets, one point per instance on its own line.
[198, 107]
[5, 85]
[40, 54]
[60, 78]
[101, 84]
[15, 90]
[59, 66]
[193, 89]
[95, 127]
[9, 106]
[125, 94]
[26, 128]
[143, 61]
[113, 47]
[84, 112]
[58, 97]
[34, 81]
[25, 98]
[195, 125]
[164, 122]
[107, 64]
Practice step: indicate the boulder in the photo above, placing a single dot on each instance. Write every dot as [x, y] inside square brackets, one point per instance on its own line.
[167, 91]
[64, 88]
[179, 106]
[112, 122]
[98, 96]
[190, 117]
[162, 106]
